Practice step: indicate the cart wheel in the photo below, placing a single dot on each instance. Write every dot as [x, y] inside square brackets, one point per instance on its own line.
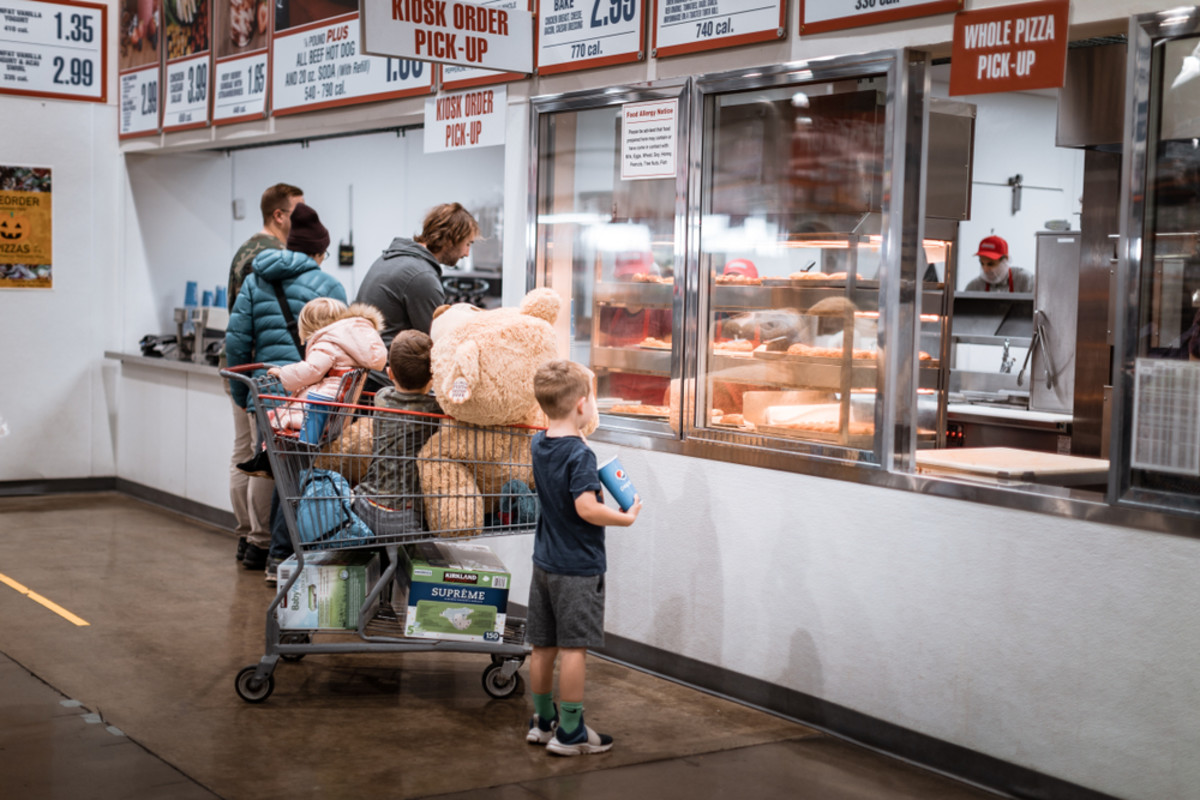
[499, 659]
[294, 638]
[496, 685]
[251, 690]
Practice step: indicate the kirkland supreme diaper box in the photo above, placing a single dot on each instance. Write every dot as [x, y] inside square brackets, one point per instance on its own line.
[330, 591]
[452, 590]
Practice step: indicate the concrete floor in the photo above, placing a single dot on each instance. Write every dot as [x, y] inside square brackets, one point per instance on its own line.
[140, 703]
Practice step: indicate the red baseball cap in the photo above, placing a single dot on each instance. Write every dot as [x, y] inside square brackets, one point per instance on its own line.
[741, 266]
[993, 247]
[633, 262]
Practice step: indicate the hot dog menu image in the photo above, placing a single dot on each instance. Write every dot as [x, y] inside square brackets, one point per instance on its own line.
[185, 99]
[240, 73]
[52, 49]
[317, 61]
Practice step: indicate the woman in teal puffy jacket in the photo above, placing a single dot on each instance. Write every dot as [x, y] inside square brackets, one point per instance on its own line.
[258, 330]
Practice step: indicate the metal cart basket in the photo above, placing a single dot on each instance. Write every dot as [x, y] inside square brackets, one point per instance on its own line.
[349, 477]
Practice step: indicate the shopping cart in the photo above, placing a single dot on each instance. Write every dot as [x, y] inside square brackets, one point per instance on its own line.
[344, 485]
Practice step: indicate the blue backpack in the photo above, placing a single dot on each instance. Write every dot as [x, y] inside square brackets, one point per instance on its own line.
[323, 513]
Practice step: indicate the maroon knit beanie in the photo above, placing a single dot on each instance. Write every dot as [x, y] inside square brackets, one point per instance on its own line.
[308, 235]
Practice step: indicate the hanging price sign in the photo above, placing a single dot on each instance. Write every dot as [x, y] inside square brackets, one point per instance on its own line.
[242, 65]
[581, 34]
[139, 64]
[188, 74]
[818, 16]
[50, 49]
[322, 65]
[690, 26]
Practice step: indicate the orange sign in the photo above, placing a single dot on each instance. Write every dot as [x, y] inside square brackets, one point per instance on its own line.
[1010, 48]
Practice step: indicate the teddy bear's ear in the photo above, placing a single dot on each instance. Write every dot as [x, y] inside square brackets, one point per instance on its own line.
[543, 304]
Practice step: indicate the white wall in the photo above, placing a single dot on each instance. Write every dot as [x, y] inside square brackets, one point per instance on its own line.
[1068, 647]
[54, 395]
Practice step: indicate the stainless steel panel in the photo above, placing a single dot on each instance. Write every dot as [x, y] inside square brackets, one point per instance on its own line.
[951, 146]
[1093, 351]
[1091, 104]
[1056, 293]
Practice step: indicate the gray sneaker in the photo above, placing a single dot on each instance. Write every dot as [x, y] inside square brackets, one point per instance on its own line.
[541, 731]
[272, 571]
[584, 741]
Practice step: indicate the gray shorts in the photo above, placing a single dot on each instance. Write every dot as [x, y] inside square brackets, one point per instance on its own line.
[565, 610]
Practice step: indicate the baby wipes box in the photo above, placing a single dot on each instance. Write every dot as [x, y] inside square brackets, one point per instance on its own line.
[330, 591]
[452, 590]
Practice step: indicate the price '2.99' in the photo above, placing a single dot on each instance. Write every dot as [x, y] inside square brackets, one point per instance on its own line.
[618, 10]
[77, 72]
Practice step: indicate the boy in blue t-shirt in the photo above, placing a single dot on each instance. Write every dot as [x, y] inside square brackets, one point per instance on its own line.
[566, 595]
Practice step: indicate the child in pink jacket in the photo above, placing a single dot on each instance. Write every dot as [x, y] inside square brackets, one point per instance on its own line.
[335, 338]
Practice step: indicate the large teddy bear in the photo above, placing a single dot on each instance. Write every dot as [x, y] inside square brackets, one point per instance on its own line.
[483, 364]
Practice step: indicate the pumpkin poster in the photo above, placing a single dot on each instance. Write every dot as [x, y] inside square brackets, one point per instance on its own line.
[25, 233]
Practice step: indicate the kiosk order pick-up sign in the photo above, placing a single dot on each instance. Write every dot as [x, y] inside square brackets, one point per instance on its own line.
[449, 31]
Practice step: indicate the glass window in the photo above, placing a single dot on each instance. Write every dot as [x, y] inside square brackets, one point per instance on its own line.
[609, 244]
[1165, 435]
[790, 250]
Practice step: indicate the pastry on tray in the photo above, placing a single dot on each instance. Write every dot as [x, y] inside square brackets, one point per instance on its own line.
[646, 277]
[655, 344]
[734, 279]
[641, 410]
[809, 276]
[734, 346]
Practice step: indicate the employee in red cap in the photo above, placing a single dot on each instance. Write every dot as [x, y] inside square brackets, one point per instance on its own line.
[997, 275]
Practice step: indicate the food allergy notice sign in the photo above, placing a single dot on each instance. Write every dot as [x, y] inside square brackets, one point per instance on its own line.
[648, 136]
[581, 34]
[1010, 48]
[50, 49]
[485, 35]
[818, 16]
[688, 26]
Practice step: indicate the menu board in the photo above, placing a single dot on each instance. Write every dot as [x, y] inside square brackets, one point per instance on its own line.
[50, 49]
[189, 64]
[139, 65]
[581, 34]
[818, 16]
[317, 60]
[241, 67]
[690, 26]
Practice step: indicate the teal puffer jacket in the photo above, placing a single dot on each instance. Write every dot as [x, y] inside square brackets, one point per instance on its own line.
[257, 330]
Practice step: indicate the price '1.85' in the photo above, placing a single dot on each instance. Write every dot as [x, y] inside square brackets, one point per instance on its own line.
[76, 73]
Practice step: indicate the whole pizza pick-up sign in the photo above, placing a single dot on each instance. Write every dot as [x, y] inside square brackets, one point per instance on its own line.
[1010, 48]
[449, 31]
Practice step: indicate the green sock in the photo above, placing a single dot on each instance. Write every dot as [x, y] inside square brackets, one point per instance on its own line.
[543, 705]
[571, 716]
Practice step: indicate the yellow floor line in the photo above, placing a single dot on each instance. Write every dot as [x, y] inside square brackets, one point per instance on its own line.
[50, 604]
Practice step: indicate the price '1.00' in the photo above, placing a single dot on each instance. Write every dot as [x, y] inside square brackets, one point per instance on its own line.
[150, 98]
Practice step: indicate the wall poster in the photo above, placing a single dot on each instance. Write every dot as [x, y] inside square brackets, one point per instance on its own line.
[25, 228]
[139, 66]
[317, 60]
[241, 66]
[50, 49]
[189, 64]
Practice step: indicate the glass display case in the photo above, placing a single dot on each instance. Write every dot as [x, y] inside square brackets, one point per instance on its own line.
[792, 251]
[610, 244]
[1161, 309]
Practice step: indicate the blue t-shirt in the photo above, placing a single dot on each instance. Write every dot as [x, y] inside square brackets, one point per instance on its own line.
[564, 467]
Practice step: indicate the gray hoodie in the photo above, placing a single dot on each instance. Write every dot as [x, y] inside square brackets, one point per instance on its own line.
[405, 283]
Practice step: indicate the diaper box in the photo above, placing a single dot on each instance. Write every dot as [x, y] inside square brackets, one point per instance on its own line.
[330, 591]
[452, 590]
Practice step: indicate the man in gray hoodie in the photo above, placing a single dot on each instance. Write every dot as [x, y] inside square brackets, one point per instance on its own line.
[405, 283]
